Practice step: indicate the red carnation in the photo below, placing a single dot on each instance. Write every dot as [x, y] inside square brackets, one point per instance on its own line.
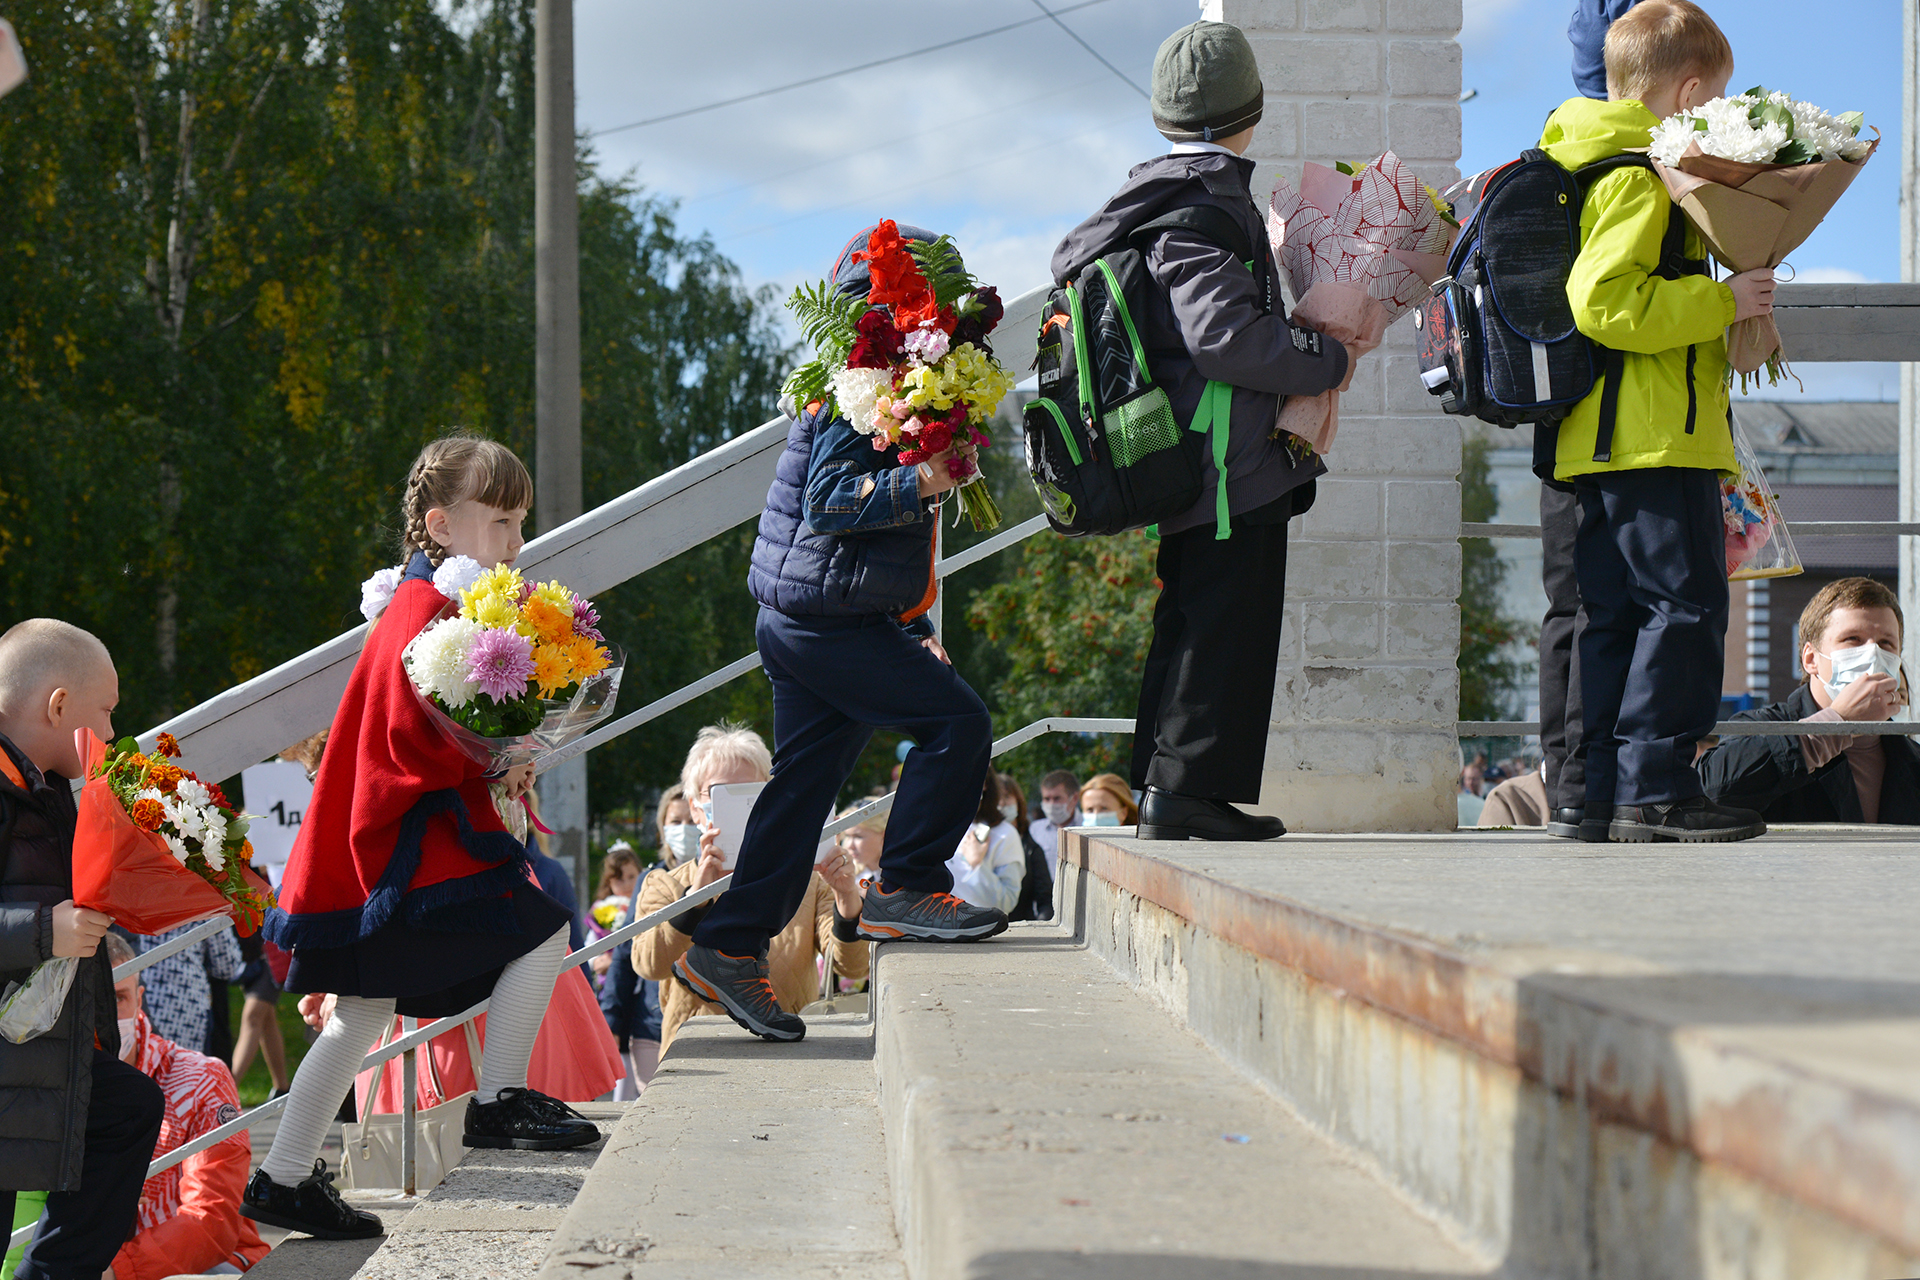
[936, 438]
[879, 343]
[913, 457]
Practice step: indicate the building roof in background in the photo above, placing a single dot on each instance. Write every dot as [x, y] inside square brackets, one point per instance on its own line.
[1836, 426]
[1821, 502]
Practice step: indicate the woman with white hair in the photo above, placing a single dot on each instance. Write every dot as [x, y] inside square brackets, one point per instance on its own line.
[826, 924]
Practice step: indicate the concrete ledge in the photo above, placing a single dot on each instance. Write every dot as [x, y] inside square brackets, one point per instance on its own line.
[1579, 1055]
[742, 1160]
[1043, 1120]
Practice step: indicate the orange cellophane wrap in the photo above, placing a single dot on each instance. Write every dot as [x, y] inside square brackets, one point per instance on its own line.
[131, 875]
[1753, 216]
[1358, 323]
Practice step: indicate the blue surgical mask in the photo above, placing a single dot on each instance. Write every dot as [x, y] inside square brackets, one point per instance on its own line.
[682, 841]
[1104, 819]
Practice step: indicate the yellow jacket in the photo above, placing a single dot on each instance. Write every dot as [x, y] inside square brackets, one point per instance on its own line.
[1618, 302]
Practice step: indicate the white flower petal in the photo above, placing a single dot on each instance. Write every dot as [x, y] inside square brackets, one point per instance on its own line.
[456, 574]
[376, 592]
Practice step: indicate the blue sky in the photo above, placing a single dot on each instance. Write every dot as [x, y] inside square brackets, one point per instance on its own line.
[1009, 140]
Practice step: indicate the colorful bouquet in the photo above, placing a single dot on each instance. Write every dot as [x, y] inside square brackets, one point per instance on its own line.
[1757, 173]
[908, 364]
[517, 670]
[1758, 544]
[155, 847]
[1359, 249]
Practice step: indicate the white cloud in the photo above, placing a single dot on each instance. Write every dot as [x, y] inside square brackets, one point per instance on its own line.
[1830, 275]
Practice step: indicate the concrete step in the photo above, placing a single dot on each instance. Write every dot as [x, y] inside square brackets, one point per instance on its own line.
[1679, 1060]
[743, 1160]
[1043, 1120]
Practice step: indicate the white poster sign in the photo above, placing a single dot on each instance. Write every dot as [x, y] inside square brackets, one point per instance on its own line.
[277, 795]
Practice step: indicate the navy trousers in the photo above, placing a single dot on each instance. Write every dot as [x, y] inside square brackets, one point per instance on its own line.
[1651, 560]
[82, 1229]
[836, 680]
[1562, 721]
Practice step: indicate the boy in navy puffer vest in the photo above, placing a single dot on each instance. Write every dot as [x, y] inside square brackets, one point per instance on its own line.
[843, 571]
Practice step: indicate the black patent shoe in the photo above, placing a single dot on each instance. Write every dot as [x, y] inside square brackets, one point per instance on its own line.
[1565, 823]
[527, 1120]
[310, 1206]
[1166, 816]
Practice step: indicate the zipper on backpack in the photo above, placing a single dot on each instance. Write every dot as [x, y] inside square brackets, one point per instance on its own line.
[1066, 433]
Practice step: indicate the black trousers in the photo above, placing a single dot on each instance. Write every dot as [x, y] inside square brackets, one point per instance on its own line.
[834, 681]
[1651, 559]
[1561, 720]
[82, 1229]
[1206, 690]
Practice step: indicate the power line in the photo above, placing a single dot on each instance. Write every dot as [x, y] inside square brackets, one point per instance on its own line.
[890, 142]
[1055, 16]
[865, 66]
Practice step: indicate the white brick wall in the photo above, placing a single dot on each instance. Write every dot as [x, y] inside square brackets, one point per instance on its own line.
[1368, 689]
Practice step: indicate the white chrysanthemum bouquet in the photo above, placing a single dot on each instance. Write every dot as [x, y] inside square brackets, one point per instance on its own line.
[1756, 173]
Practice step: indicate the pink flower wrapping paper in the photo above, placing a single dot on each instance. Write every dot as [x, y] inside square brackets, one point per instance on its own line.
[1358, 252]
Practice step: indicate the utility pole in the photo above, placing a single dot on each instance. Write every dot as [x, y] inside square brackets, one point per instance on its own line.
[556, 366]
[1910, 372]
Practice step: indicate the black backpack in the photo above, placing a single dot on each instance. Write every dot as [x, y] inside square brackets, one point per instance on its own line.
[1104, 448]
[1496, 333]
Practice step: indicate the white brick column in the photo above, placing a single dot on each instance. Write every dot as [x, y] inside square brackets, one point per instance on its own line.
[1369, 690]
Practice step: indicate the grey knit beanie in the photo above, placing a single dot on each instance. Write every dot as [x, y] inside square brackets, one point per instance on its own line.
[1206, 84]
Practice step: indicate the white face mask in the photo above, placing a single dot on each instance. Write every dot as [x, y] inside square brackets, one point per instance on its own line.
[1861, 660]
[1057, 811]
[1011, 812]
[129, 1032]
[1105, 819]
[683, 841]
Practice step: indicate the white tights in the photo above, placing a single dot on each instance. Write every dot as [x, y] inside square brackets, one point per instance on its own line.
[326, 1075]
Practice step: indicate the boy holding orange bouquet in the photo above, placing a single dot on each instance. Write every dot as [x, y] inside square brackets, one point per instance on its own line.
[81, 1124]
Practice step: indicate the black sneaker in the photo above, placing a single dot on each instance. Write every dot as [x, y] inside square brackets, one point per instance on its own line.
[526, 1120]
[310, 1206]
[739, 985]
[1695, 821]
[906, 914]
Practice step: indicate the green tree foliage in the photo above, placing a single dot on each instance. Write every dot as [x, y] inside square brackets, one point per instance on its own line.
[1490, 673]
[258, 252]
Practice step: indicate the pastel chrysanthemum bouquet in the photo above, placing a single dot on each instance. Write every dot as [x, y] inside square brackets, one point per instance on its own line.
[521, 666]
[1757, 172]
[908, 363]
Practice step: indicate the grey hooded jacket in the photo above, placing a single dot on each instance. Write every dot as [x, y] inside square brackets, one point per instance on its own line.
[1208, 324]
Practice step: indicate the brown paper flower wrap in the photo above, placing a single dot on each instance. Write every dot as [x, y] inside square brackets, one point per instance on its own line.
[1753, 216]
[1354, 320]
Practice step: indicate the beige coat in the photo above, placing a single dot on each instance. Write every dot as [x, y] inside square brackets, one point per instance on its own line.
[791, 964]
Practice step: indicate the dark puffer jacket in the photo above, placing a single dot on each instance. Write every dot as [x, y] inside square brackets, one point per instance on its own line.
[1206, 322]
[46, 1084]
[845, 532]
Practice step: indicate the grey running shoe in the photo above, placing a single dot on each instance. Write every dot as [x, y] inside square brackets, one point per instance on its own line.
[739, 985]
[1694, 821]
[925, 917]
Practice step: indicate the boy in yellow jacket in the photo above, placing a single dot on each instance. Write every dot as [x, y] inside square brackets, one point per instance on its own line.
[1644, 450]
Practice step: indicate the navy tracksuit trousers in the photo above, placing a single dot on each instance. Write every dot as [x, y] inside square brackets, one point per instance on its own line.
[1651, 560]
[836, 680]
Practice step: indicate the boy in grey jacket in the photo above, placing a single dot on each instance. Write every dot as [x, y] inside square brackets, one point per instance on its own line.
[1207, 686]
[80, 1123]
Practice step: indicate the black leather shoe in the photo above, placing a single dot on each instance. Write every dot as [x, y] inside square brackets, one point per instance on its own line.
[1595, 822]
[1697, 820]
[310, 1206]
[527, 1120]
[1565, 823]
[1166, 816]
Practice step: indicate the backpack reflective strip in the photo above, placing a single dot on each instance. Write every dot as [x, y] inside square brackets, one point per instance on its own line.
[1542, 374]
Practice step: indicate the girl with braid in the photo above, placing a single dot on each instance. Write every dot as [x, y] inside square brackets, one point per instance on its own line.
[405, 892]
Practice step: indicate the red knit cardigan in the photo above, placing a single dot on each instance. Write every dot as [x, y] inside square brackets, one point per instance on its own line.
[401, 826]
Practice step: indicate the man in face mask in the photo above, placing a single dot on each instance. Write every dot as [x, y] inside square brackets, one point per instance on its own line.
[189, 1218]
[1059, 793]
[1850, 634]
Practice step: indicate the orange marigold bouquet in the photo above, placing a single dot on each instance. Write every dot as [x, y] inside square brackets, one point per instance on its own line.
[155, 847]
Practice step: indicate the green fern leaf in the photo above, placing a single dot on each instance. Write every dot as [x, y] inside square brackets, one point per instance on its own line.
[947, 276]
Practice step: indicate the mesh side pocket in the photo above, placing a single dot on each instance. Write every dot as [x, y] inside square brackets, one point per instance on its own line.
[1142, 426]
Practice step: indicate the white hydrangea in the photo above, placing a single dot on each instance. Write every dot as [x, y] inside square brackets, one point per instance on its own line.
[856, 391]
[437, 660]
[456, 574]
[376, 593]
